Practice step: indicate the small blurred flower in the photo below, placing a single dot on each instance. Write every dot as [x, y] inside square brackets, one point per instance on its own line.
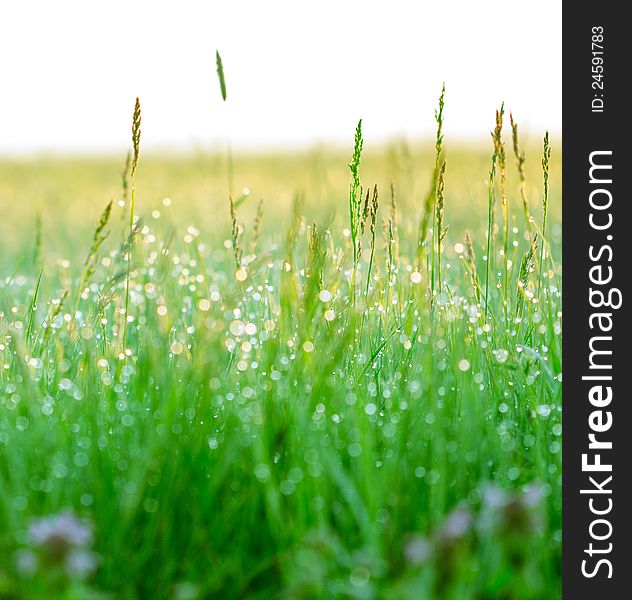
[62, 541]
[494, 497]
[456, 525]
[81, 563]
[418, 550]
[532, 496]
[511, 512]
[60, 532]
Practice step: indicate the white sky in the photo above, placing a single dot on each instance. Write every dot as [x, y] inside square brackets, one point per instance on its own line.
[297, 72]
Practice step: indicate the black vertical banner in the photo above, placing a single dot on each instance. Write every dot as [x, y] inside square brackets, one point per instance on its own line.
[597, 410]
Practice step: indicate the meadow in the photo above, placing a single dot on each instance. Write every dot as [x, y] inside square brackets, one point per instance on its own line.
[334, 373]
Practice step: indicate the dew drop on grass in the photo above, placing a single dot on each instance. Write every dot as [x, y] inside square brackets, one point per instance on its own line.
[354, 450]
[295, 475]
[415, 277]
[501, 355]
[432, 477]
[464, 364]
[237, 327]
[262, 472]
[80, 459]
[325, 295]
[176, 348]
[420, 472]
[287, 487]
[544, 410]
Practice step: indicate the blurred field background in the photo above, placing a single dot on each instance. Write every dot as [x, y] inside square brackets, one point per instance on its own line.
[68, 194]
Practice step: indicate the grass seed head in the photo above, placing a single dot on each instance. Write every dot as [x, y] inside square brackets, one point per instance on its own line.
[136, 119]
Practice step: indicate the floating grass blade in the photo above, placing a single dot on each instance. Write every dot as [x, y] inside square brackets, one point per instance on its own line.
[220, 74]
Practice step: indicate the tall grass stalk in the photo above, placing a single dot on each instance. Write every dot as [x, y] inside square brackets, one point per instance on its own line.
[33, 307]
[136, 121]
[520, 164]
[520, 161]
[489, 263]
[501, 159]
[235, 233]
[37, 246]
[546, 158]
[355, 203]
[89, 265]
[470, 262]
[256, 227]
[429, 204]
[440, 218]
[372, 218]
[524, 275]
[125, 186]
[394, 227]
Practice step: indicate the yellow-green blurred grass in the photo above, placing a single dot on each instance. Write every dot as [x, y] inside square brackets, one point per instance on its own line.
[69, 193]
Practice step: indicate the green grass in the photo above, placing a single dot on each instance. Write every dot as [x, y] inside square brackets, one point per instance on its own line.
[288, 426]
